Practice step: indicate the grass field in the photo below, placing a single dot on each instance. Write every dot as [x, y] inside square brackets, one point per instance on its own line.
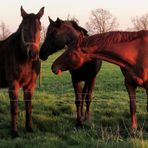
[54, 114]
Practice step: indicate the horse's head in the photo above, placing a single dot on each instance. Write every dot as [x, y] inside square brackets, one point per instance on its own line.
[30, 28]
[71, 59]
[59, 34]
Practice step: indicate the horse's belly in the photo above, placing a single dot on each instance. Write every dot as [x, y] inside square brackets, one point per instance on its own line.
[87, 71]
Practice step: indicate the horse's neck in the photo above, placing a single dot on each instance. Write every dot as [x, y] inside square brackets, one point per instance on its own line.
[4, 44]
[10, 42]
[125, 51]
[116, 51]
[122, 54]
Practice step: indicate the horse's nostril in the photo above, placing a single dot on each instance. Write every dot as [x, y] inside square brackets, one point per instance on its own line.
[30, 54]
[59, 72]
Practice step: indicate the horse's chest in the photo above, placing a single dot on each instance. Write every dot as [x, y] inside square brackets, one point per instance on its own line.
[25, 73]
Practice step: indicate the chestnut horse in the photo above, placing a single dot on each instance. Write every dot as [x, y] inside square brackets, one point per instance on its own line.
[129, 50]
[19, 65]
[59, 34]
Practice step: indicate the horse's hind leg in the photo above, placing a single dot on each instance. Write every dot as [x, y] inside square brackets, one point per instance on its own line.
[132, 95]
[84, 92]
[90, 87]
[13, 94]
[78, 101]
[28, 93]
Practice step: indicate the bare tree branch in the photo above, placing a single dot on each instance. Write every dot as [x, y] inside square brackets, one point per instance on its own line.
[4, 31]
[43, 34]
[101, 21]
[140, 23]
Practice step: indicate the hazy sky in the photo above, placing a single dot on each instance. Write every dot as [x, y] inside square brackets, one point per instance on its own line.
[123, 10]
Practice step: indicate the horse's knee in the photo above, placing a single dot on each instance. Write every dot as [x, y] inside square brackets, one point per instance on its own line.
[14, 133]
[77, 103]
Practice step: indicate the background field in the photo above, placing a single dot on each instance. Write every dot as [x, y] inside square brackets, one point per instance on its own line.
[54, 114]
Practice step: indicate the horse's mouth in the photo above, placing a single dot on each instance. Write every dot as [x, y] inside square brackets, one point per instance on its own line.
[34, 55]
[56, 70]
[43, 58]
[59, 72]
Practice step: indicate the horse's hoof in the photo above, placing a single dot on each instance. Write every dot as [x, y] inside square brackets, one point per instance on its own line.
[14, 134]
[79, 125]
[29, 129]
[87, 117]
[133, 133]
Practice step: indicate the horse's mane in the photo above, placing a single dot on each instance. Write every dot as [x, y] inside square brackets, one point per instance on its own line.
[77, 27]
[109, 38]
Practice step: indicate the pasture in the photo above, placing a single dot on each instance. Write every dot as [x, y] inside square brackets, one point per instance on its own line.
[54, 114]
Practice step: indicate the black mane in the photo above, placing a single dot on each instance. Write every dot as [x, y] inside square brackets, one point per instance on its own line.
[77, 27]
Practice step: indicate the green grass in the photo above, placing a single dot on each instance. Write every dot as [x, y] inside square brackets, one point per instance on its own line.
[54, 114]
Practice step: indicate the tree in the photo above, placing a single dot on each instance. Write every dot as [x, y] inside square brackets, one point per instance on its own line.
[43, 34]
[140, 23]
[4, 31]
[101, 21]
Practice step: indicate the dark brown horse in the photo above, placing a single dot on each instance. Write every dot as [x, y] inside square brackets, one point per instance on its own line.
[129, 50]
[59, 34]
[19, 64]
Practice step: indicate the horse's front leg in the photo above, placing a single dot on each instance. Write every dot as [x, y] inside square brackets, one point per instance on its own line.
[132, 95]
[90, 87]
[78, 101]
[13, 94]
[28, 93]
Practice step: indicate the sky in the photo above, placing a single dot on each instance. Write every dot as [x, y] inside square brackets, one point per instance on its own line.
[123, 10]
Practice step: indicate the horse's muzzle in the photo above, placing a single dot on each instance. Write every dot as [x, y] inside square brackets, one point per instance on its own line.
[33, 55]
[32, 51]
[56, 70]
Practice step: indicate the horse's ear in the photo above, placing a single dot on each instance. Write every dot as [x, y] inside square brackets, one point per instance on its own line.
[23, 12]
[40, 13]
[58, 22]
[50, 20]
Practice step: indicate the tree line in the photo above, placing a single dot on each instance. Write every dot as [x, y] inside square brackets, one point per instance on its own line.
[100, 21]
